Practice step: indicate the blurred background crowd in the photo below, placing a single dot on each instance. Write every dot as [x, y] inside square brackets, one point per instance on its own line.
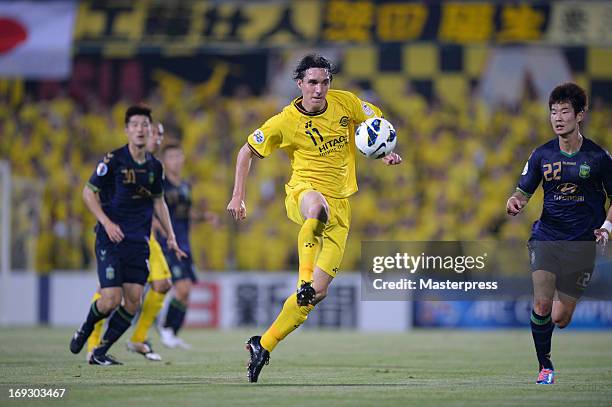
[461, 162]
[462, 153]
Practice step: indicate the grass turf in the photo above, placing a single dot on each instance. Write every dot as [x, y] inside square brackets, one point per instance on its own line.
[425, 368]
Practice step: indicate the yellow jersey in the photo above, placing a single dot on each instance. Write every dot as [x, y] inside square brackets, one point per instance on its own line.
[320, 145]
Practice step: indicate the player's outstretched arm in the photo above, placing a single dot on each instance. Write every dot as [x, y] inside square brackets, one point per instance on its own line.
[516, 203]
[603, 233]
[161, 211]
[392, 159]
[236, 206]
[92, 200]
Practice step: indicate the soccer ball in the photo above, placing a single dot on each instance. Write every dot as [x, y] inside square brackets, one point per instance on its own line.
[375, 138]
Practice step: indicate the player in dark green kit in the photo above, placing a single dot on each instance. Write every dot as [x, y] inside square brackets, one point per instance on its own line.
[123, 193]
[178, 197]
[576, 176]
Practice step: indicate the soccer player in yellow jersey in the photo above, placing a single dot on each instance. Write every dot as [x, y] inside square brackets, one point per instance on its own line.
[317, 132]
[159, 283]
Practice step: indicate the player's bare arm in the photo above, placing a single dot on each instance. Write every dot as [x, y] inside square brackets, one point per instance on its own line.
[516, 203]
[392, 159]
[236, 206]
[602, 235]
[92, 200]
[156, 227]
[162, 214]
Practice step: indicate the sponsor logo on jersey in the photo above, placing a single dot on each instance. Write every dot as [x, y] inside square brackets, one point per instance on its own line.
[567, 188]
[142, 192]
[258, 136]
[585, 171]
[333, 145]
[344, 121]
[568, 191]
[102, 170]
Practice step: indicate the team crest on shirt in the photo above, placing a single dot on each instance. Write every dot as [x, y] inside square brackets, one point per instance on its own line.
[258, 136]
[367, 109]
[101, 170]
[585, 171]
[525, 168]
[344, 121]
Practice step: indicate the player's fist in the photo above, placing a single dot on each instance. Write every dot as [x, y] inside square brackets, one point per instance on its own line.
[113, 231]
[392, 159]
[601, 236]
[237, 208]
[514, 206]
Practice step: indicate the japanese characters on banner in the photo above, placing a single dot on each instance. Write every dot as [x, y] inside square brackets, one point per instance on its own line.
[572, 23]
[145, 27]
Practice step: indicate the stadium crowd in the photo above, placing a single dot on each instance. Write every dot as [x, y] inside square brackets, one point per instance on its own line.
[460, 164]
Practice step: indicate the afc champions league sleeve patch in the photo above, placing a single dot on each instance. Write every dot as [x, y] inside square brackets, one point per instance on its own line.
[525, 169]
[101, 170]
[367, 109]
[258, 137]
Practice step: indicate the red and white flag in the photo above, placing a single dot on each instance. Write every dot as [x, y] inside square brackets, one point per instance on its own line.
[36, 39]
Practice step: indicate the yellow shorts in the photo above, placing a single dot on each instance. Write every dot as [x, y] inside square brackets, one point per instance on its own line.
[336, 230]
[158, 267]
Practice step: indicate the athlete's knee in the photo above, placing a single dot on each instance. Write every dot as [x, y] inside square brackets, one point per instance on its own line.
[318, 210]
[108, 302]
[132, 301]
[182, 288]
[542, 306]
[161, 286]
[182, 296]
[562, 320]
[131, 306]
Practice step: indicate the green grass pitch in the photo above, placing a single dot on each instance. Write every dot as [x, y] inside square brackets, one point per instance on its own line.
[422, 367]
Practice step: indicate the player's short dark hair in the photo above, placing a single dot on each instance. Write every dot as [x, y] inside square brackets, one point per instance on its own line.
[569, 93]
[137, 110]
[313, 61]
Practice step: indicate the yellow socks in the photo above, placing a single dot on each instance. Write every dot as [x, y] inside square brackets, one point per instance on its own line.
[309, 245]
[94, 338]
[153, 302]
[290, 317]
